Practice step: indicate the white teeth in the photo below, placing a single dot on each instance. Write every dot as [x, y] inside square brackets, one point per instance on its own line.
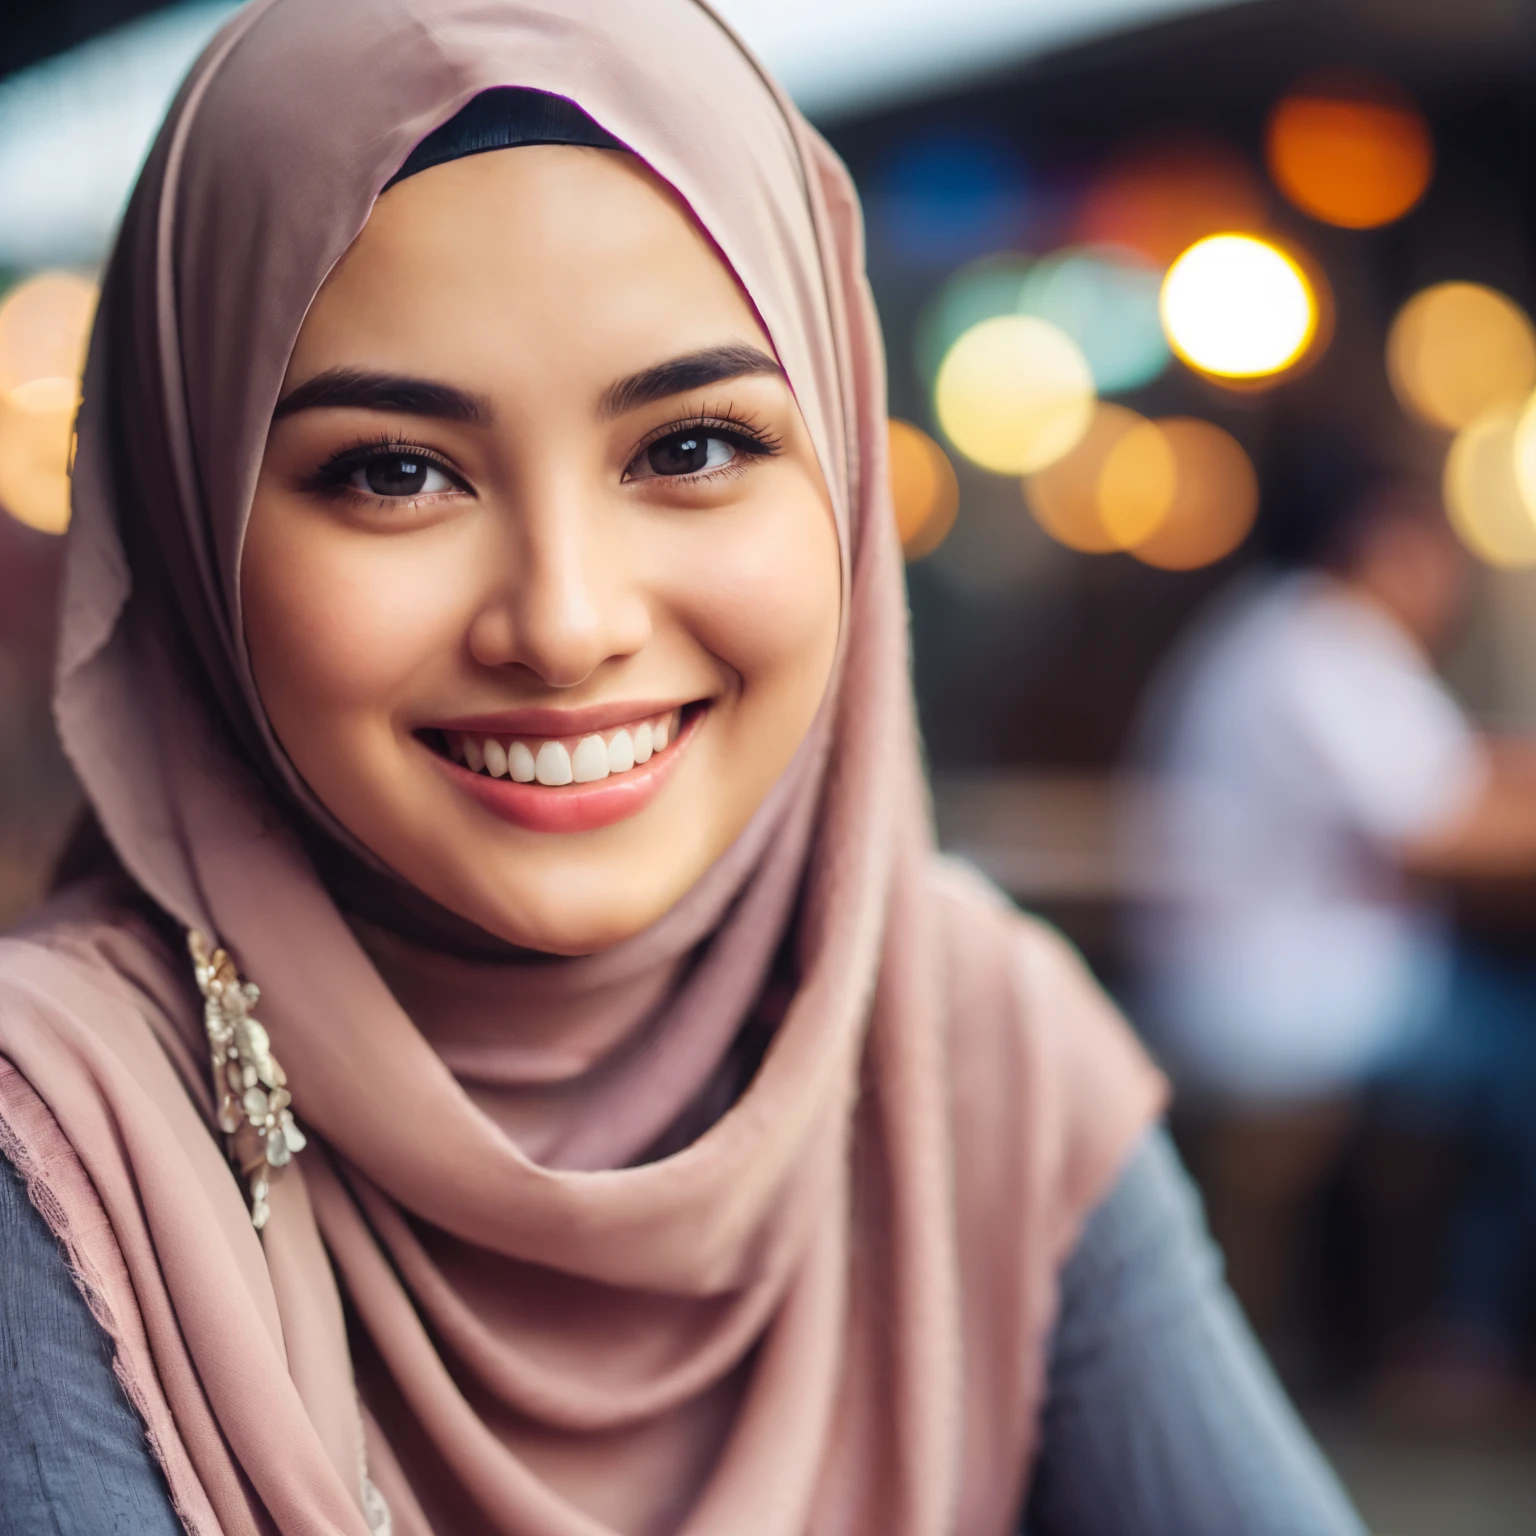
[621, 753]
[591, 760]
[553, 764]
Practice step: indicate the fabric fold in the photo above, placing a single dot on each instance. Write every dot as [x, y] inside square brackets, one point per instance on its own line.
[745, 1227]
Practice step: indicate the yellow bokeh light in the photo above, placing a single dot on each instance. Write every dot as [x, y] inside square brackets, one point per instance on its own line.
[1350, 151]
[35, 423]
[1238, 307]
[1014, 394]
[1483, 495]
[44, 324]
[924, 489]
[1111, 490]
[1215, 499]
[1525, 455]
[1458, 352]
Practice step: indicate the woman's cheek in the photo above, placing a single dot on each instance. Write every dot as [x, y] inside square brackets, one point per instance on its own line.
[772, 596]
[342, 622]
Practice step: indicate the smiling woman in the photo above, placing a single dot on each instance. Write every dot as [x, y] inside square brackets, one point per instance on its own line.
[537, 486]
[514, 1062]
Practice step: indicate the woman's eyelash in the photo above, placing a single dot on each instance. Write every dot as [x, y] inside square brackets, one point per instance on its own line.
[738, 430]
[727, 423]
[334, 475]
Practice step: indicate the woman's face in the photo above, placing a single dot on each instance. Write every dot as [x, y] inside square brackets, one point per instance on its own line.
[541, 583]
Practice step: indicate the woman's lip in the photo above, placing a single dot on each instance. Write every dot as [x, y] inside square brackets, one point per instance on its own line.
[553, 724]
[576, 807]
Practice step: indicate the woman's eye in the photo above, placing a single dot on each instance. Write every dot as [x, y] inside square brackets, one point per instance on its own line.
[400, 475]
[685, 453]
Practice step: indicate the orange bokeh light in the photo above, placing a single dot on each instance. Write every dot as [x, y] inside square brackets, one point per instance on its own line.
[1160, 196]
[1349, 150]
[36, 420]
[1457, 351]
[45, 323]
[924, 489]
[1111, 491]
[1215, 499]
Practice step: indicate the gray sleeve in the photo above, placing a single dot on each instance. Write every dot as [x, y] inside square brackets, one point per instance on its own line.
[1163, 1417]
[73, 1457]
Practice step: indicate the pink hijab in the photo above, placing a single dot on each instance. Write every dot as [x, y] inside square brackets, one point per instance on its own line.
[746, 1227]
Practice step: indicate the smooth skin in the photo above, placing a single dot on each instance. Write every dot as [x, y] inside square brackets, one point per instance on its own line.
[518, 535]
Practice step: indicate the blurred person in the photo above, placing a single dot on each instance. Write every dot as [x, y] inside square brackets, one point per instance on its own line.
[486, 636]
[1308, 785]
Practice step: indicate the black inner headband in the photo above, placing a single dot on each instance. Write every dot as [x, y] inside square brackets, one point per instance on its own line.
[503, 118]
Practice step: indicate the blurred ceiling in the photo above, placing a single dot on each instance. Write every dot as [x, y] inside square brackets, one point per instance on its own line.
[843, 58]
[75, 124]
[34, 32]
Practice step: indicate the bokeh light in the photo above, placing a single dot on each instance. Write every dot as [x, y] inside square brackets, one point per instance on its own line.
[1524, 448]
[1097, 498]
[1160, 196]
[44, 327]
[1238, 307]
[1350, 150]
[945, 197]
[35, 423]
[924, 489]
[1106, 299]
[1215, 496]
[1459, 351]
[44, 324]
[980, 290]
[1013, 394]
[1483, 494]
[1139, 484]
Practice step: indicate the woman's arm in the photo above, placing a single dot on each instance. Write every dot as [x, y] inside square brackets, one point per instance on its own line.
[1163, 1418]
[73, 1457]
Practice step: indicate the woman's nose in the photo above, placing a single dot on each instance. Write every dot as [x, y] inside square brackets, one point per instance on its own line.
[566, 605]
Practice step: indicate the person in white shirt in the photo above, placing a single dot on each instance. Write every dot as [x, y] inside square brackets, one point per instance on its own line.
[1309, 781]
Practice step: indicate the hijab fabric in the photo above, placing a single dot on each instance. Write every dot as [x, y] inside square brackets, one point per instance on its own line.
[745, 1227]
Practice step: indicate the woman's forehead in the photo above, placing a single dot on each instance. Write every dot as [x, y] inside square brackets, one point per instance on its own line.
[493, 255]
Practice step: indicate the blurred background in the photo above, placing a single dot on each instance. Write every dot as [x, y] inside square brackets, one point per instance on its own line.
[1214, 452]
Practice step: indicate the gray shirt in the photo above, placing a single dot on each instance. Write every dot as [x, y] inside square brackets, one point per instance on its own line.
[1163, 1418]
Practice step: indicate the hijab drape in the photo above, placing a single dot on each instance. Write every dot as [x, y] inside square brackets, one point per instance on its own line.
[746, 1226]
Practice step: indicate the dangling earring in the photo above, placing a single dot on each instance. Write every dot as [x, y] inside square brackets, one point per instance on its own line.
[250, 1083]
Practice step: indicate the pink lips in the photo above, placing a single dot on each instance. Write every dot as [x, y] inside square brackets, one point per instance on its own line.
[576, 807]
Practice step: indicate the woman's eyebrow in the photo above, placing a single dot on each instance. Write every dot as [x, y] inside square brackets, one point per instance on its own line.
[712, 365]
[360, 390]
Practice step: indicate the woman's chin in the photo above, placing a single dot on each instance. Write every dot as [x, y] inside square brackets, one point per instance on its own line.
[556, 909]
